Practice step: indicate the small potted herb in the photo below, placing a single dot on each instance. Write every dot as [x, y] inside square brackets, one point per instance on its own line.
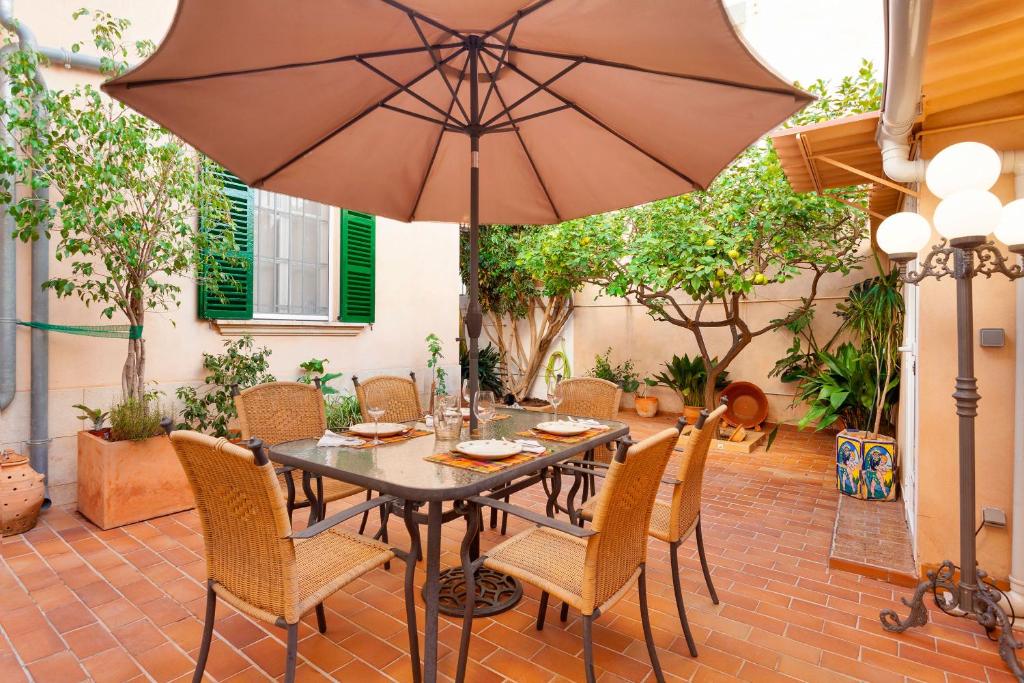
[646, 406]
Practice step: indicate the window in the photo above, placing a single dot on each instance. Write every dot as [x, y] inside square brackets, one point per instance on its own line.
[292, 256]
[284, 259]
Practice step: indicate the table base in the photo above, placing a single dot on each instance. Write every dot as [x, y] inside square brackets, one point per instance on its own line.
[495, 592]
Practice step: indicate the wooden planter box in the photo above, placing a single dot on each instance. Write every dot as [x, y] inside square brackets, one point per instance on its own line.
[121, 482]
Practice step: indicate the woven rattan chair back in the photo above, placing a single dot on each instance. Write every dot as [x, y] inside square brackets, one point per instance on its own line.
[245, 523]
[396, 395]
[686, 494]
[622, 516]
[281, 411]
[590, 397]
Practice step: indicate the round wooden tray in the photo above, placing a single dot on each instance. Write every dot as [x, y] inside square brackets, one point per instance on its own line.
[747, 405]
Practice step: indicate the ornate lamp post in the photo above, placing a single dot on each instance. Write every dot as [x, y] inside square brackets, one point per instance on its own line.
[961, 175]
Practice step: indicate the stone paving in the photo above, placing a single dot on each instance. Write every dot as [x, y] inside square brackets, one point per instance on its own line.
[77, 603]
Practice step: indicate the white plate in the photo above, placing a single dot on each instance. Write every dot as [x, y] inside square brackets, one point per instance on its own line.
[488, 449]
[562, 428]
[383, 429]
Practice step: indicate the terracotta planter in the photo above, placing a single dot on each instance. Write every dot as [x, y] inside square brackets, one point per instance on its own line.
[646, 406]
[21, 492]
[120, 482]
[692, 414]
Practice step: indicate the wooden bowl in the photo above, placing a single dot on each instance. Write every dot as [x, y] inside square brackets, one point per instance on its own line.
[747, 406]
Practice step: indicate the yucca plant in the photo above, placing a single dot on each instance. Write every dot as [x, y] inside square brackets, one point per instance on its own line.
[687, 378]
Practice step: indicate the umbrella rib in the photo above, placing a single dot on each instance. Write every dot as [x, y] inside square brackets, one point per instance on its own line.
[504, 127]
[535, 91]
[422, 117]
[516, 17]
[437, 65]
[422, 17]
[526, 151]
[497, 69]
[593, 119]
[437, 146]
[775, 90]
[405, 88]
[352, 121]
[292, 65]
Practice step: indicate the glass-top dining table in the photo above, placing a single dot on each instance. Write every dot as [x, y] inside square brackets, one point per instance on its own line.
[400, 469]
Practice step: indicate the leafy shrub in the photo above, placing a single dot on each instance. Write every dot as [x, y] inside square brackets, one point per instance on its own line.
[212, 410]
[342, 411]
[314, 370]
[488, 369]
[134, 419]
[688, 378]
[95, 415]
[624, 374]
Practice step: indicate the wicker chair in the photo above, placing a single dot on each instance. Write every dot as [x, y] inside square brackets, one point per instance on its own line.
[254, 561]
[590, 397]
[675, 522]
[286, 411]
[589, 569]
[396, 395]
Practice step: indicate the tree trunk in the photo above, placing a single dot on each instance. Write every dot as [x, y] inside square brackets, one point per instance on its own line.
[133, 376]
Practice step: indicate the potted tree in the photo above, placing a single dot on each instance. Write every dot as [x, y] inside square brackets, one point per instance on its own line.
[129, 194]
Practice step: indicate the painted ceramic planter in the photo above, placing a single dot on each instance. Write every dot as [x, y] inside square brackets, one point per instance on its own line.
[646, 406]
[121, 482]
[866, 465]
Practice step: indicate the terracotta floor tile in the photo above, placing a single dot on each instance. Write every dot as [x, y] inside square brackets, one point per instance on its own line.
[166, 662]
[62, 667]
[224, 660]
[96, 593]
[139, 637]
[70, 616]
[89, 640]
[37, 644]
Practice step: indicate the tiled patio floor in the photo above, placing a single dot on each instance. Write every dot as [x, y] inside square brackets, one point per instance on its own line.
[79, 603]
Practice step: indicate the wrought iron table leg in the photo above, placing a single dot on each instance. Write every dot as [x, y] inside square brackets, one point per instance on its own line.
[468, 553]
[315, 507]
[415, 553]
[431, 591]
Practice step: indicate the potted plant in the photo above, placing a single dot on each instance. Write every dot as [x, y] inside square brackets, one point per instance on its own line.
[624, 374]
[129, 472]
[646, 406]
[688, 378]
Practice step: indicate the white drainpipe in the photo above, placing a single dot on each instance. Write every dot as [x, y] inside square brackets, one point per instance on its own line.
[907, 30]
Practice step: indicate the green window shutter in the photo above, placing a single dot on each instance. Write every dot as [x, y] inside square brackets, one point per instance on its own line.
[358, 252]
[232, 296]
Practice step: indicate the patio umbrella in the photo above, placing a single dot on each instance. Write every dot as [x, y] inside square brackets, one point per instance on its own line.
[505, 111]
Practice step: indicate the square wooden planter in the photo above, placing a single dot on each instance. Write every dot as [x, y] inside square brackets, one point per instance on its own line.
[121, 482]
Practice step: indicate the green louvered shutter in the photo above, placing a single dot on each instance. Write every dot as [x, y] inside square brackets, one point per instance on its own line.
[358, 237]
[232, 297]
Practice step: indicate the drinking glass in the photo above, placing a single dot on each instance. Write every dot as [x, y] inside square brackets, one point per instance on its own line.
[485, 408]
[555, 395]
[375, 413]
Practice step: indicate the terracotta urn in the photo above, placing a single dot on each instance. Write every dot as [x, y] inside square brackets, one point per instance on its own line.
[21, 494]
[646, 406]
[692, 414]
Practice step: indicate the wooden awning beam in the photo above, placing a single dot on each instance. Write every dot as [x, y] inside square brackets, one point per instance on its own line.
[864, 174]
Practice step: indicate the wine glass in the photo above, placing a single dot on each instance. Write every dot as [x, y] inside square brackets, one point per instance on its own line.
[555, 394]
[376, 413]
[485, 408]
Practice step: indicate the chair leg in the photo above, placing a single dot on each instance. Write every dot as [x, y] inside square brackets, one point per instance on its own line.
[588, 647]
[204, 649]
[494, 518]
[385, 513]
[645, 617]
[542, 612]
[563, 616]
[673, 552]
[321, 618]
[293, 650]
[704, 564]
[366, 515]
[504, 519]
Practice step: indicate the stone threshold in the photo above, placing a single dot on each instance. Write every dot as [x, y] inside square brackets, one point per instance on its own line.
[871, 538]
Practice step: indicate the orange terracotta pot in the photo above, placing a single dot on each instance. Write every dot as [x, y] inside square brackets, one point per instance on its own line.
[646, 406]
[692, 414]
[121, 482]
[21, 492]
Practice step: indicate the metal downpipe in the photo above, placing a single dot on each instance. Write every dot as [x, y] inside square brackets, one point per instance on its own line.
[8, 273]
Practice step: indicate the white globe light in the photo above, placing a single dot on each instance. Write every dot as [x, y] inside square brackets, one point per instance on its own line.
[903, 234]
[1010, 230]
[966, 217]
[963, 166]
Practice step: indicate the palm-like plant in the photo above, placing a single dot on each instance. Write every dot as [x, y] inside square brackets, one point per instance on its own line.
[845, 387]
[688, 377]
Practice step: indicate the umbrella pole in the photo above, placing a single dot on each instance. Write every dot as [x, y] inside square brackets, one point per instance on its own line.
[474, 316]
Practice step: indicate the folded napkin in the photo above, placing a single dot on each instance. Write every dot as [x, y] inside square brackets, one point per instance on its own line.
[330, 439]
[531, 445]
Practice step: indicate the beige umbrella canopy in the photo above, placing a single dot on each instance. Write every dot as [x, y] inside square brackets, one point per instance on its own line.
[576, 106]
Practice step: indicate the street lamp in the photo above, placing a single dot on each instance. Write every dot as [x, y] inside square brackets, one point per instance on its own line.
[961, 175]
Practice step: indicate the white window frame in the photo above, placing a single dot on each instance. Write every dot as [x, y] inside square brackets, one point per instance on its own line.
[333, 267]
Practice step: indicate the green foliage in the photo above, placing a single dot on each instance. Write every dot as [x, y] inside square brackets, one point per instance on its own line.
[624, 374]
[212, 410]
[844, 387]
[313, 371]
[97, 416]
[342, 411]
[126, 191]
[688, 378]
[434, 364]
[134, 419]
[558, 364]
[488, 364]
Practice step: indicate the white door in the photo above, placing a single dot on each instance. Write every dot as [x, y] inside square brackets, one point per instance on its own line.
[907, 429]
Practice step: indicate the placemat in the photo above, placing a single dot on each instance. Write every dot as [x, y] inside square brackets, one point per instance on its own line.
[413, 434]
[589, 434]
[482, 466]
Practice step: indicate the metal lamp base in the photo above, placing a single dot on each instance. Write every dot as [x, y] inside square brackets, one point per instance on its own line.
[495, 592]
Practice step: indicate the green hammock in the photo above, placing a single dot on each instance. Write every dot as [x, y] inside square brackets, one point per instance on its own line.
[108, 331]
